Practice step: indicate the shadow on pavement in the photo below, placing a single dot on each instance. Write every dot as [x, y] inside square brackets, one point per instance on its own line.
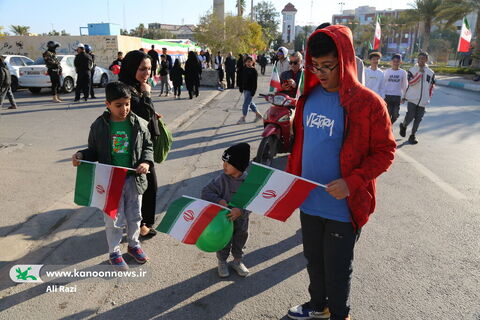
[216, 304]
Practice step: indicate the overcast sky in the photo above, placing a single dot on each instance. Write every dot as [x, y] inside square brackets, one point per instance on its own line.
[43, 16]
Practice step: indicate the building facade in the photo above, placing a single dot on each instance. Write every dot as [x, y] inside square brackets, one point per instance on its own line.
[185, 31]
[288, 24]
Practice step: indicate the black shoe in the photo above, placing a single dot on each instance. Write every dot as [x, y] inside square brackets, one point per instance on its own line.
[412, 139]
[151, 233]
[93, 97]
[403, 130]
[85, 99]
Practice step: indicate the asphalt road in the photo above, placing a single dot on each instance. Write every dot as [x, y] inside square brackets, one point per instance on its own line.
[417, 258]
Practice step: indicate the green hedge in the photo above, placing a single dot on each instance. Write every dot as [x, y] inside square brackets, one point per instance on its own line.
[437, 69]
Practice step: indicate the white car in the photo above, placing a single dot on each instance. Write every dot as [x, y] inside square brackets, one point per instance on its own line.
[14, 63]
[35, 77]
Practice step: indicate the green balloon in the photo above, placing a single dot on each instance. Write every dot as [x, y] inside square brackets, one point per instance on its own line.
[217, 234]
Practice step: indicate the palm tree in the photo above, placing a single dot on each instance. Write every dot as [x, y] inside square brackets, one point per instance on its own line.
[454, 10]
[20, 30]
[426, 11]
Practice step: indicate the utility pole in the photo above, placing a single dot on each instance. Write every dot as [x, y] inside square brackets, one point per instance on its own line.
[341, 6]
[251, 11]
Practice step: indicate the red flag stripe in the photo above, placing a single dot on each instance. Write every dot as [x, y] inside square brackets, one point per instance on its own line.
[117, 180]
[197, 227]
[290, 200]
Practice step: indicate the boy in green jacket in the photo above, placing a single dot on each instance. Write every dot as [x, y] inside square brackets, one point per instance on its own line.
[121, 138]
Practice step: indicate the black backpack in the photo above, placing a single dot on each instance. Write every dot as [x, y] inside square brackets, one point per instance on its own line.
[5, 79]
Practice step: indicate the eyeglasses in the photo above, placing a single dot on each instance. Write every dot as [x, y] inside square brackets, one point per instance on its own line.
[323, 70]
[293, 62]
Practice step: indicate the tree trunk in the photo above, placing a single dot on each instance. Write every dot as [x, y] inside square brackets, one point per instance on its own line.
[426, 37]
[476, 50]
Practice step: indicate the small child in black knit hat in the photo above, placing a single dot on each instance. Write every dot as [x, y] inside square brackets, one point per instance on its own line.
[220, 190]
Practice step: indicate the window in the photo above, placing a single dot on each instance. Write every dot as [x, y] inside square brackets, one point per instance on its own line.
[16, 62]
[70, 61]
[27, 61]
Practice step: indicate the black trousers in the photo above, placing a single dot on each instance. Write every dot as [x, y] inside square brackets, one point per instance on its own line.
[221, 75]
[262, 69]
[83, 85]
[415, 113]
[328, 247]
[393, 106]
[153, 72]
[231, 80]
[92, 93]
[55, 80]
[149, 199]
[177, 90]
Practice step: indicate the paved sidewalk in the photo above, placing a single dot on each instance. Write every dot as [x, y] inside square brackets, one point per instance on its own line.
[458, 82]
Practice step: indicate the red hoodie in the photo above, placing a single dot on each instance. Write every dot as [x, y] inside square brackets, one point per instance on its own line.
[368, 145]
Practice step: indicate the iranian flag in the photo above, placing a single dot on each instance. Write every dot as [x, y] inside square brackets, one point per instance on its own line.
[300, 86]
[99, 185]
[465, 37]
[275, 80]
[187, 217]
[378, 35]
[271, 192]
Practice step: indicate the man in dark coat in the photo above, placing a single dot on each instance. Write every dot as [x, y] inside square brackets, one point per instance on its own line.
[89, 51]
[230, 64]
[54, 69]
[155, 60]
[83, 64]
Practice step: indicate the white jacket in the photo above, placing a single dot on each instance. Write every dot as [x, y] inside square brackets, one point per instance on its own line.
[420, 85]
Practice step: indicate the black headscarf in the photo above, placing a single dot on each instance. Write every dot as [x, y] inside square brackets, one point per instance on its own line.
[130, 64]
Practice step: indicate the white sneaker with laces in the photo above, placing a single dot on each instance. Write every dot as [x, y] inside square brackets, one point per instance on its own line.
[223, 269]
[240, 268]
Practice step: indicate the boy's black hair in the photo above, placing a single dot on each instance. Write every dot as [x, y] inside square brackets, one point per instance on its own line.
[116, 90]
[423, 53]
[321, 45]
[323, 25]
[397, 56]
[119, 52]
[374, 54]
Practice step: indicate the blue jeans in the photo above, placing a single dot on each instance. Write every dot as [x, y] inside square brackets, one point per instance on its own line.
[129, 215]
[248, 102]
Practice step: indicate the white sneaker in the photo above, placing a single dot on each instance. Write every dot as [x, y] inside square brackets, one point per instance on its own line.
[223, 269]
[242, 120]
[240, 268]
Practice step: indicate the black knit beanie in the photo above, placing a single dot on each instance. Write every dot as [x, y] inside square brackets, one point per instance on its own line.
[238, 156]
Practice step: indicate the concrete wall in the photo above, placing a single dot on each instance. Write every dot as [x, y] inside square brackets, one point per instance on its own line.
[104, 47]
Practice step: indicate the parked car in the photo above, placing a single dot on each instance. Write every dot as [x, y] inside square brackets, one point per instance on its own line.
[14, 63]
[35, 77]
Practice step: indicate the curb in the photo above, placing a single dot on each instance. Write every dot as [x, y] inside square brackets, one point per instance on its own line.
[459, 85]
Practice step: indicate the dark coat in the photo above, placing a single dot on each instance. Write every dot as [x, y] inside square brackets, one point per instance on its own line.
[83, 62]
[230, 64]
[193, 70]
[249, 80]
[176, 75]
[100, 145]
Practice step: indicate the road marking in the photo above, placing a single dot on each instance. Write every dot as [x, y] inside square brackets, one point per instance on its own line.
[432, 176]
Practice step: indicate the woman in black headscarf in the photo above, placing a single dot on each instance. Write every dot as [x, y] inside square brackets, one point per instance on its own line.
[135, 71]
[193, 70]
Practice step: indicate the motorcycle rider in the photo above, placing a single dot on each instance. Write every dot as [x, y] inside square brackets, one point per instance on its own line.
[54, 69]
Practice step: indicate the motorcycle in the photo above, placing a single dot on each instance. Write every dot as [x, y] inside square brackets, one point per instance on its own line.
[277, 134]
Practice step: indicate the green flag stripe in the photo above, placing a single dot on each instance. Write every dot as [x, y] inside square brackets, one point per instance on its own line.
[84, 184]
[174, 211]
[256, 179]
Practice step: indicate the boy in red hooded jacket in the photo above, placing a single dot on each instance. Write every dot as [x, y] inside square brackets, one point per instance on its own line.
[343, 139]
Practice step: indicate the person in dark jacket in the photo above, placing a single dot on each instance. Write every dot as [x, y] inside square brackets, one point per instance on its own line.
[135, 71]
[83, 66]
[155, 60]
[240, 67]
[118, 61]
[249, 87]
[54, 69]
[89, 51]
[230, 64]
[176, 75]
[193, 70]
[262, 61]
